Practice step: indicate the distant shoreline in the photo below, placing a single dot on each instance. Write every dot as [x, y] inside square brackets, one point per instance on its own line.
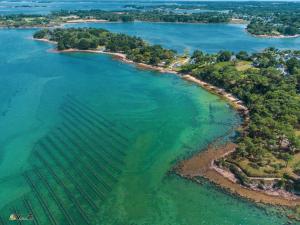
[83, 21]
[164, 22]
[276, 36]
[86, 21]
[280, 36]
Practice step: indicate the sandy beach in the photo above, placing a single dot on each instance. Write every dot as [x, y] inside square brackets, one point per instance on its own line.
[86, 21]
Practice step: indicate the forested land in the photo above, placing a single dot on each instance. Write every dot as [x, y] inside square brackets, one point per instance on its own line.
[269, 85]
[135, 48]
[151, 16]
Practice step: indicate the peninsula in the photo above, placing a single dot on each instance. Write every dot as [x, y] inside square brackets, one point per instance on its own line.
[265, 155]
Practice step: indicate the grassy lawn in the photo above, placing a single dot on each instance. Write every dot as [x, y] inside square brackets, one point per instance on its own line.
[243, 65]
[297, 133]
[221, 65]
[295, 162]
[271, 166]
[265, 170]
[239, 65]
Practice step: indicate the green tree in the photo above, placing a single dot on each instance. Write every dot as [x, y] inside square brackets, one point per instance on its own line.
[242, 55]
[127, 18]
[61, 46]
[292, 65]
[224, 56]
[286, 157]
[84, 44]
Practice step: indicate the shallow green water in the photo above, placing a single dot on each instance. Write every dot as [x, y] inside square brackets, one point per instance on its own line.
[85, 138]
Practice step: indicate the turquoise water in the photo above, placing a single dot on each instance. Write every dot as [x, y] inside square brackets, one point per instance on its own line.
[210, 38]
[86, 139]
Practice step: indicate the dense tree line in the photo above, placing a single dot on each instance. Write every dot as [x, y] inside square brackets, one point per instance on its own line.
[90, 38]
[164, 6]
[151, 15]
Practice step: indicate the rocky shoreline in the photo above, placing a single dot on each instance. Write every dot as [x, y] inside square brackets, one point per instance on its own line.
[272, 36]
[203, 165]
